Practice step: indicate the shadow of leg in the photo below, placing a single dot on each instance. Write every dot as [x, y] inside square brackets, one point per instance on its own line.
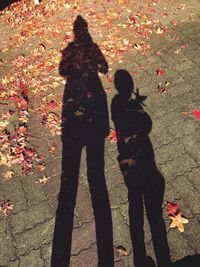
[62, 238]
[136, 217]
[100, 203]
[153, 198]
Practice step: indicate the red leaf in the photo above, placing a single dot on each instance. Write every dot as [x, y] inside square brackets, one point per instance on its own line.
[132, 19]
[52, 105]
[110, 79]
[161, 89]
[6, 207]
[113, 136]
[160, 72]
[172, 208]
[196, 113]
[152, 10]
[66, 38]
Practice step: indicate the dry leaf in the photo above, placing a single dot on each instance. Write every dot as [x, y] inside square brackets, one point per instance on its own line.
[113, 136]
[172, 208]
[196, 113]
[8, 174]
[178, 221]
[44, 180]
[122, 251]
[5, 208]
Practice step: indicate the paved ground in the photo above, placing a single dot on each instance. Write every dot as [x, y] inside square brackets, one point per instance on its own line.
[174, 47]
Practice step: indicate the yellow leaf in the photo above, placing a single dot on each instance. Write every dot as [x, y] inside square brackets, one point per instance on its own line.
[159, 31]
[4, 123]
[3, 159]
[8, 174]
[44, 180]
[178, 221]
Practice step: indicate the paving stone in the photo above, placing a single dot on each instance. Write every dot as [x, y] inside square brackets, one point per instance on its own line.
[13, 191]
[114, 176]
[83, 237]
[118, 195]
[175, 167]
[190, 143]
[185, 127]
[83, 207]
[27, 219]
[7, 250]
[34, 191]
[160, 138]
[35, 237]
[193, 177]
[14, 263]
[192, 233]
[54, 172]
[46, 254]
[188, 192]
[33, 259]
[174, 136]
[178, 244]
[169, 152]
[85, 258]
[121, 232]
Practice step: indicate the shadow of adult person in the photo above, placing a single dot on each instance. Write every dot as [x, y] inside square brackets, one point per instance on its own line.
[6, 3]
[136, 160]
[84, 123]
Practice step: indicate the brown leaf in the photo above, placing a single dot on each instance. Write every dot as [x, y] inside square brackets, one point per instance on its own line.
[121, 251]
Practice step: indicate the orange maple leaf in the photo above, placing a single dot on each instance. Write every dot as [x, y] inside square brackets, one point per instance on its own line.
[178, 221]
[113, 136]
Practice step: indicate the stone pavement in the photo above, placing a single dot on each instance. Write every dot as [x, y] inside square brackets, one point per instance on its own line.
[26, 235]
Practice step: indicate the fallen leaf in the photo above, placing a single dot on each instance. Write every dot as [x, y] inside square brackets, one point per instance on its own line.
[159, 31]
[178, 221]
[41, 167]
[52, 105]
[122, 251]
[160, 72]
[113, 136]
[172, 208]
[185, 113]
[52, 149]
[8, 174]
[161, 89]
[196, 113]
[5, 208]
[44, 180]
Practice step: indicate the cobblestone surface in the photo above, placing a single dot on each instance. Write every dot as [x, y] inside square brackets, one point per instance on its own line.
[26, 235]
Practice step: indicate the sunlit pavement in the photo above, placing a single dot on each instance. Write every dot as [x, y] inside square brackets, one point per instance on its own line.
[158, 43]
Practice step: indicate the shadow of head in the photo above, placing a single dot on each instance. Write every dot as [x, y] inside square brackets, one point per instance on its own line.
[80, 28]
[123, 83]
[189, 261]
